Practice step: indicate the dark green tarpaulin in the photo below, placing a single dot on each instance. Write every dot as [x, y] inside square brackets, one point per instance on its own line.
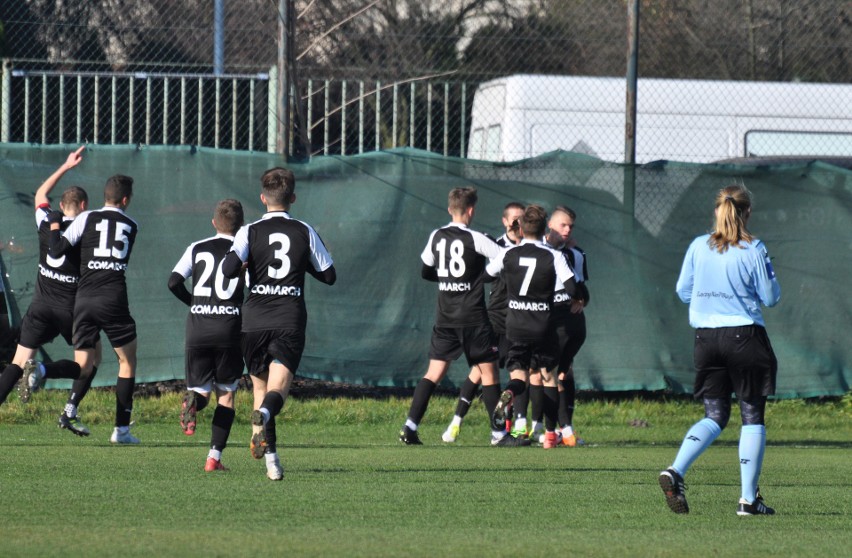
[375, 212]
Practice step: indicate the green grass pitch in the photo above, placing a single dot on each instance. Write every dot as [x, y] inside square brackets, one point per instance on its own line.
[351, 489]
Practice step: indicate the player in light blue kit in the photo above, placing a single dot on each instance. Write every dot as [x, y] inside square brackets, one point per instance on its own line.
[726, 276]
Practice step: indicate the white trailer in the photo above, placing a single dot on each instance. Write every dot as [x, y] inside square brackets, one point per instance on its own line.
[521, 116]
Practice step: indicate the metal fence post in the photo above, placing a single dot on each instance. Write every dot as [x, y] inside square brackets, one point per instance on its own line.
[631, 100]
[283, 101]
[5, 100]
[272, 110]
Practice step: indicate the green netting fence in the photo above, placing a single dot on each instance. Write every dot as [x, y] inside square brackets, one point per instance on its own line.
[375, 212]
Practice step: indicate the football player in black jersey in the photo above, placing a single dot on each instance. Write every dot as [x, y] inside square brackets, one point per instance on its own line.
[571, 317]
[277, 252]
[532, 272]
[213, 356]
[570, 323]
[512, 213]
[455, 257]
[105, 238]
[51, 311]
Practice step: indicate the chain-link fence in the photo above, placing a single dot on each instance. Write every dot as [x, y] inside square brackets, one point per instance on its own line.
[433, 74]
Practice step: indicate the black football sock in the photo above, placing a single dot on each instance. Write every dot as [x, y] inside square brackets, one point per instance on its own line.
[223, 418]
[80, 388]
[551, 407]
[566, 400]
[201, 402]
[490, 397]
[10, 376]
[420, 401]
[272, 402]
[521, 403]
[536, 403]
[124, 400]
[466, 395]
[516, 386]
[66, 369]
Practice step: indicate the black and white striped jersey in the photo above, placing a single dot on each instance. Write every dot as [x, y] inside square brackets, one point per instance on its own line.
[278, 250]
[498, 300]
[458, 256]
[106, 238]
[214, 313]
[532, 272]
[56, 284]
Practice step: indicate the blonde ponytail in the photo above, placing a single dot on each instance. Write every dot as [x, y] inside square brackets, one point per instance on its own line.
[733, 207]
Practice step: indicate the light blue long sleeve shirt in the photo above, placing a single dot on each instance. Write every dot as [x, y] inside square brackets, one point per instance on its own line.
[727, 289]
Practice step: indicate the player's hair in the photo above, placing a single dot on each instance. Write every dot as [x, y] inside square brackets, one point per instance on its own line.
[733, 206]
[74, 196]
[278, 185]
[228, 216]
[514, 225]
[461, 199]
[534, 221]
[566, 210]
[512, 205]
[117, 188]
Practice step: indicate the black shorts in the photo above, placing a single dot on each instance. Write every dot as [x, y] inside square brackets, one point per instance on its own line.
[734, 359]
[93, 315]
[42, 324]
[206, 366]
[477, 343]
[570, 334]
[260, 348]
[529, 354]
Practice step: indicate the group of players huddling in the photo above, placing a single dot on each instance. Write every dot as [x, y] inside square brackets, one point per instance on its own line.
[533, 326]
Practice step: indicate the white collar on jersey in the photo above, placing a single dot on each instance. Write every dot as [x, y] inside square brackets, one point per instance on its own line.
[225, 236]
[459, 225]
[528, 241]
[276, 213]
[113, 208]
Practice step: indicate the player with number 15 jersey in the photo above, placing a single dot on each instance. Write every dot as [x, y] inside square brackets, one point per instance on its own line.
[106, 238]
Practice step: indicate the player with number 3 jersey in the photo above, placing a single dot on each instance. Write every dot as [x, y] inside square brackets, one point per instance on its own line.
[277, 251]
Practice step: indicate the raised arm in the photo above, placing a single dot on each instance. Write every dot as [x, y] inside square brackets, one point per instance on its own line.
[47, 186]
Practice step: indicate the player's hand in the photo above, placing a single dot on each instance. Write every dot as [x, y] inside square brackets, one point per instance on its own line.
[75, 158]
[55, 217]
[577, 305]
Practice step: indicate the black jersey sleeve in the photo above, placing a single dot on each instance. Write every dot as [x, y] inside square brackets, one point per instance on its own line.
[231, 265]
[429, 273]
[178, 288]
[329, 276]
[58, 244]
[570, 286]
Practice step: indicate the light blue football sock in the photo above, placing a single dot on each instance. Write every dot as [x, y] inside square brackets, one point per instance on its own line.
[752, 444]
[698, 439]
